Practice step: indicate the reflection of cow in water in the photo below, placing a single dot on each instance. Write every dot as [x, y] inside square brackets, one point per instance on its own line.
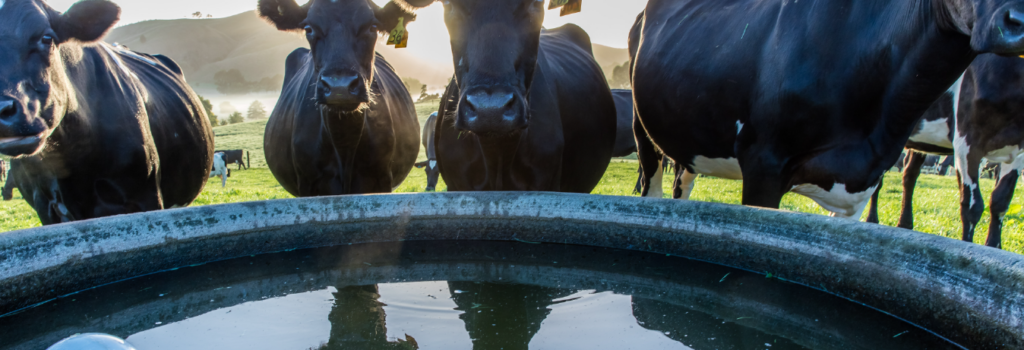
[496, 315]
[358, 321]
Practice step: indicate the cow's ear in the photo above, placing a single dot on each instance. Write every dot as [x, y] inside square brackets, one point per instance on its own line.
[389, 15]
[413, 4]
[283, 14]
[87, 20]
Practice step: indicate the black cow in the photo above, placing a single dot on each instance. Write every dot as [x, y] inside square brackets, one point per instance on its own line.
[817, 97]
[96, 129]
[982, 117]
[430, 165]
[625, 144]
[344, 123]
[529, 108]
[236, 156]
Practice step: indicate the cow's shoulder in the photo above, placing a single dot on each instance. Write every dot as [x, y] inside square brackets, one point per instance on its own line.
[569, 34]
[169, 63]
[295, 61]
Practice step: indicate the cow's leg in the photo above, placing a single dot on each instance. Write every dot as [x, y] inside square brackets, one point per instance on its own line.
[649, 158]
[971, 204]
[911, 171]
[685, 180]
[873, 205]
[1000, 201]
[654, 183]
[763, 183]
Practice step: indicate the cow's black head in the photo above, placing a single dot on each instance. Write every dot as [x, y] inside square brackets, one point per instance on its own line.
[342, 35]
[494, 46]
[995, 26]
[34, 87]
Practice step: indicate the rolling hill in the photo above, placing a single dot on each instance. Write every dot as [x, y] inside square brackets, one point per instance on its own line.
[203, 47]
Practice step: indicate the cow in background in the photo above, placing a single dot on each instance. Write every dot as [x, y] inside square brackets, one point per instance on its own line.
[10, 183]
[220, 168]
[95, 130]
[978, 118]
[236, 156]
[430, 165]
[625, 144]
[344, 123]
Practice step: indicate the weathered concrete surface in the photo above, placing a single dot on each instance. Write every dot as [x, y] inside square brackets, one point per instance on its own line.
[972, 294]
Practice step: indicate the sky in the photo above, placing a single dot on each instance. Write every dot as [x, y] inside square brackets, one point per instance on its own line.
[607, 21]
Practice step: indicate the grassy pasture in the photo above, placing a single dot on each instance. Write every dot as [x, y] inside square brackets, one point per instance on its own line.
[936, 199]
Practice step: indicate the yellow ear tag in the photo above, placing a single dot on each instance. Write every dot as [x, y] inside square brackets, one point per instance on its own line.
[557, 3]
[398, 34]
[404, 42]
[572, 7]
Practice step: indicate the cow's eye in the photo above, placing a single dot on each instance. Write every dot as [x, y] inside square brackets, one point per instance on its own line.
[47, 40]
[309, 30]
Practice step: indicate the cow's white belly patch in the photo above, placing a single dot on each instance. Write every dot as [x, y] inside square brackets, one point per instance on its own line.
[726, 168]
[1005, 169]
[934, 132]
[838, 201]
[1004, 155]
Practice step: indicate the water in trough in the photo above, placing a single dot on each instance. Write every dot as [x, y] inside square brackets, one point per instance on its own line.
[463, 295]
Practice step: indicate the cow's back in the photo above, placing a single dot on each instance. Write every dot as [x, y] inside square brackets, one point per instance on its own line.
[180, 127]
[278, 147]
[584, 105]
[404, 123]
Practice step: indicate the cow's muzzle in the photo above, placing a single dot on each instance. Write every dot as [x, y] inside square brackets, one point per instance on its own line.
[491, 111]
[345, 92]
[20, 134]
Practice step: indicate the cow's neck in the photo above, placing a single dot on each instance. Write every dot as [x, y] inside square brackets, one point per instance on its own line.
[499, 152]
[935, 57]
[345, 130]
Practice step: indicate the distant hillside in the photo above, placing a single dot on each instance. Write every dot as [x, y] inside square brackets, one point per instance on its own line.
[609, 57]
[245, 42]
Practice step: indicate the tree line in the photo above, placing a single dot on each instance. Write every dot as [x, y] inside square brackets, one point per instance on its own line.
[256, 111]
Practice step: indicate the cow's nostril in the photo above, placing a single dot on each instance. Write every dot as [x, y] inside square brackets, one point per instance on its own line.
[509, 100]
[8, 109]
[1014, 19]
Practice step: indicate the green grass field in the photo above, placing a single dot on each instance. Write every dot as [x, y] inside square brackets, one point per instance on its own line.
[936, 199]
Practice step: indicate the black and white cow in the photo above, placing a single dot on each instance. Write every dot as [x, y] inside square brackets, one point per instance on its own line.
[816, 97]
[95, 129]
[430, 165]
[980, 117]
[529, 108]
[344, 123]
[10, 183]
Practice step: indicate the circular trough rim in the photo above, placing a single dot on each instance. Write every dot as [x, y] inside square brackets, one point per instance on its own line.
[968, 293]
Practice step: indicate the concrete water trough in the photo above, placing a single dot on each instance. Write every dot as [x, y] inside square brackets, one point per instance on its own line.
[970, 294]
